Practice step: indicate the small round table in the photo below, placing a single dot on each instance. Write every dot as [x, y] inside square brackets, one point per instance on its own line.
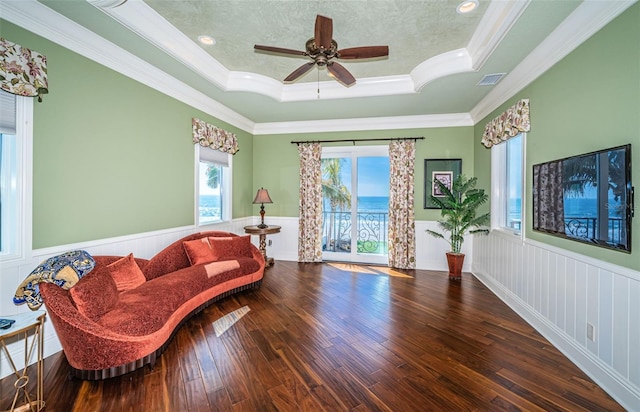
[262, 232]
[27, 326]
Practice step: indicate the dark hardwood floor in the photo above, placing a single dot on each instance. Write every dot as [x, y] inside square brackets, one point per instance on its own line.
[323, 337]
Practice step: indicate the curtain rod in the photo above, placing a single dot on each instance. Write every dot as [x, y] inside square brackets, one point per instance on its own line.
[357, 140]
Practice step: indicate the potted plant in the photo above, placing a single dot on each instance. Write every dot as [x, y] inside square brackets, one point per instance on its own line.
[459, 205]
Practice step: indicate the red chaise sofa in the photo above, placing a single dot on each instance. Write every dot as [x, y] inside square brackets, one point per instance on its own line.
[122, 315]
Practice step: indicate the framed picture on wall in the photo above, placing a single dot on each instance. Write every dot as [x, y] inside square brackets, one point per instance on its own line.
[444, 170]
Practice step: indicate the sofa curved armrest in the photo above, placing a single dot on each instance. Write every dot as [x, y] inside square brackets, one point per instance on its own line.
[77, 333]
[95, 351]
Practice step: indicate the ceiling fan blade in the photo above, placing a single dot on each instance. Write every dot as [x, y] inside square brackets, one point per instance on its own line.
[299, 72]
[341, 74]
[366, 52]
[279, 50]
[323, 32]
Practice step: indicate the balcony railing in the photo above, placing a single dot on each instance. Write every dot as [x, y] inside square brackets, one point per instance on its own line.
[587, 227]
[371, 234]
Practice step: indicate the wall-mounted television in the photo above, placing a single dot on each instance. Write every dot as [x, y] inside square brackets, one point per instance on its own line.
[587, 198]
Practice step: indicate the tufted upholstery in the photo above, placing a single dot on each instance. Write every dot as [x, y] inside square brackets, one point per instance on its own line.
[117, 332]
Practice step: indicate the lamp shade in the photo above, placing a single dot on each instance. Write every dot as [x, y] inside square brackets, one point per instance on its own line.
[262, 196]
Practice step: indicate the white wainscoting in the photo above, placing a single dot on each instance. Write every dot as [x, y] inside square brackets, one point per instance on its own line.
[559, 292]
[556, 291]
[430, 251]
[144, 245]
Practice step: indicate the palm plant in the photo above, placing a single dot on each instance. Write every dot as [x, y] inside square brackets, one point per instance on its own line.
[334, 190]
[213, 176]
[459, 208]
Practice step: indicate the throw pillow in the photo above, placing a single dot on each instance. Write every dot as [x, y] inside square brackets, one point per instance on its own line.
[126, 273]
[198, 251]
[95, 294]
[229, 248]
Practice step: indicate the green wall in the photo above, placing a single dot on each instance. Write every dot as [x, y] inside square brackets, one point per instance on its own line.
[588, 101]
[111, 156]
[276, 161]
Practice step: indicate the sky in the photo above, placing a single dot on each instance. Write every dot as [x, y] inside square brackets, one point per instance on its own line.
[373, 174]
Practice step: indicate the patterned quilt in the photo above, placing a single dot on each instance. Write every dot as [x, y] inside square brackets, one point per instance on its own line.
[64, 270]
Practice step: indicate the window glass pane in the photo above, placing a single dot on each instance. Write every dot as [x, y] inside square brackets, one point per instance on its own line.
[210, 193]
[355, 191]
[514, 183]
[373, 204]
[8, 194]
[336, 204]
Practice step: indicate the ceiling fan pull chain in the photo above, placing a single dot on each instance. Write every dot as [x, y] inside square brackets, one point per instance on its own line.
[318, 82]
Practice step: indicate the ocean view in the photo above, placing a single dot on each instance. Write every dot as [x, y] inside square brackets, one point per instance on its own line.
[374, 204]
[210, 208]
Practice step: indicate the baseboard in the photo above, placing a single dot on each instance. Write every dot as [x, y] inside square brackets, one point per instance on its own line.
[607, 378]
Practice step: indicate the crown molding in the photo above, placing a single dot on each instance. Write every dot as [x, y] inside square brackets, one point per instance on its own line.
[445, 64]
[41, 20]
[141, 19]
[587, 19]
[496, 22]
[365, 123]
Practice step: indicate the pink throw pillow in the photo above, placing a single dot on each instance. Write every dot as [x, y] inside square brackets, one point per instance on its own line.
[95, 294]
[126, 273]
[229, 248]
[198, 251]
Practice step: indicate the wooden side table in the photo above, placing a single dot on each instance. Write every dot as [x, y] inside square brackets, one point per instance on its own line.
[262, 233]
[28, 326]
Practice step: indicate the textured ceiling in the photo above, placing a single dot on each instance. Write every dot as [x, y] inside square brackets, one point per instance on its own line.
[430, 78]
[413, 30]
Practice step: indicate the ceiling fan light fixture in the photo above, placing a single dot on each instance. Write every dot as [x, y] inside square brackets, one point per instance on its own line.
[467, 6]
[322, 49]
[206, 40]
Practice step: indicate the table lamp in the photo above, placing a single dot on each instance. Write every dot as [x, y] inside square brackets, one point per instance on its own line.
[262, 197]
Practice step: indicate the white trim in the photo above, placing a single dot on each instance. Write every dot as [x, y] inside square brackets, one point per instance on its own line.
[523, 274]
[353, 153]
[442, 65]
[221, 159]
[496, 22]
[372, 123]
[600, 372]
[600, 264]
[22, 215]
[141, 19]
[45, 22]
[589, 17]
[499, 189]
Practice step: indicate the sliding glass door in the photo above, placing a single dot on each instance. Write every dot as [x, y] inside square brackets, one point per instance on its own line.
[355, 189]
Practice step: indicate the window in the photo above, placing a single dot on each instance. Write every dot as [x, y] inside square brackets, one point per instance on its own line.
[16, 118]
[213, 197]
[355, 192]
[507, 177]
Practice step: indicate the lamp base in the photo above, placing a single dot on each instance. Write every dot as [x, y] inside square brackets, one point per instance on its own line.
[262, 225]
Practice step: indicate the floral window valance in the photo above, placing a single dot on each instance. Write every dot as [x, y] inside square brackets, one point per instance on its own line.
[22, 71]
[208, 135]
[509, 124]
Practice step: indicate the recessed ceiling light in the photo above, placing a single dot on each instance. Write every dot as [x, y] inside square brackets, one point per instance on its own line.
[207, 40]
[467, 6]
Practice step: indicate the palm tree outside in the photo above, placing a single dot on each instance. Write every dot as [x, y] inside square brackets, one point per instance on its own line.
[336, 193]
[213, 176]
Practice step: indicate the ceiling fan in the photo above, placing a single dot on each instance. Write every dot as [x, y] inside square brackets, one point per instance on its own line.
[322, 49]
